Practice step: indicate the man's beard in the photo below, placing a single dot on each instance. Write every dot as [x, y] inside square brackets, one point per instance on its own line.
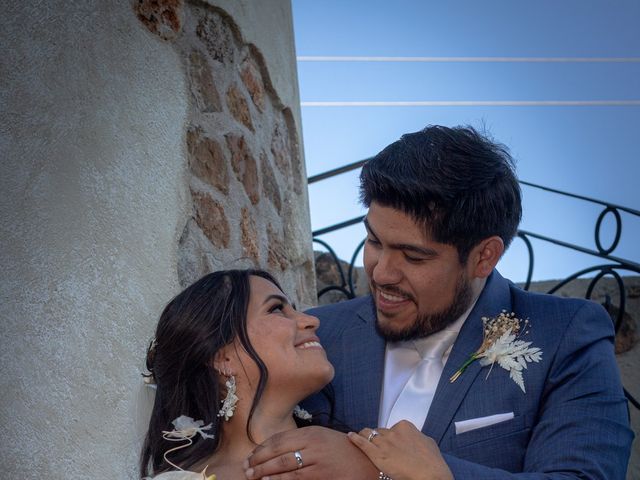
[425, 325]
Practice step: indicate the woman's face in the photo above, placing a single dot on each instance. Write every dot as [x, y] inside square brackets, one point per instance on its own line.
[286, 341]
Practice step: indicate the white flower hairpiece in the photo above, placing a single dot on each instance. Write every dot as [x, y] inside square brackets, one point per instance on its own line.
[501, 345]
[184, 428]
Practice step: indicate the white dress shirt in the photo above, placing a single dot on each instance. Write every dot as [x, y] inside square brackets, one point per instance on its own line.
[401, 360]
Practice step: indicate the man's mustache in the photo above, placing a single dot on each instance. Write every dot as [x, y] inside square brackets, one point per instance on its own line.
[392, 289]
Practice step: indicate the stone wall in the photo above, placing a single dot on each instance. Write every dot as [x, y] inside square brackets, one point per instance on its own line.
[143, 144]
[246, 174]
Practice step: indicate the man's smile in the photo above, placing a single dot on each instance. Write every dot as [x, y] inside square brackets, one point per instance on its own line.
[388, 302]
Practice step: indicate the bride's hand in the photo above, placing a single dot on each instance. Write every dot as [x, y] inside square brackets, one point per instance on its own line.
[402, 452]
[321, 454]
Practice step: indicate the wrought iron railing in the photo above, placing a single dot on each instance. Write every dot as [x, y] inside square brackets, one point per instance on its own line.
[612, 265]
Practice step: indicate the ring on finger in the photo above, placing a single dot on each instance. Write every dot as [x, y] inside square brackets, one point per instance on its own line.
[298, 456]
[374, 433]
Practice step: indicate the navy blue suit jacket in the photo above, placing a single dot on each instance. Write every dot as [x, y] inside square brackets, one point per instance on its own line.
[572, 422]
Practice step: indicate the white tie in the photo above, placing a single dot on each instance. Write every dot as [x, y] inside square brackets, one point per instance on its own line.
[415, 398]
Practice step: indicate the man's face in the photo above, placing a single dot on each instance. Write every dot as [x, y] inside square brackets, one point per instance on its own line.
[418, 285]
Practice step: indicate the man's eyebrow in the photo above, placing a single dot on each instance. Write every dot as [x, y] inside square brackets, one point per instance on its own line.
[368, 227]
[428, 252]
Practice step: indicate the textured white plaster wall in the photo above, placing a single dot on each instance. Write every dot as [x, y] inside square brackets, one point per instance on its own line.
[93, 199]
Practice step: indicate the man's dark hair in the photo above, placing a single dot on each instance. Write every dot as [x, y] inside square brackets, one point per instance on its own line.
[458, 184]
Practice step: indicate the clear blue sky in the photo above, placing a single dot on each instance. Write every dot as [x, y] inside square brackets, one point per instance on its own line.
[588, 150]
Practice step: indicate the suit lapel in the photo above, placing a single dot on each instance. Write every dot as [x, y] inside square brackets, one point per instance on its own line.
[364, 366]
[494, 297]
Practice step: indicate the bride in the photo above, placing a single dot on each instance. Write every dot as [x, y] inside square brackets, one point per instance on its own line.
[231, 359]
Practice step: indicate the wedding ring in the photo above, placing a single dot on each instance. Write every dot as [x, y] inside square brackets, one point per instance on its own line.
[298, 456]
[374, 433]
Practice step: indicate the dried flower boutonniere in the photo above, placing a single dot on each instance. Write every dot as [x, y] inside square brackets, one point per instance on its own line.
[501, 345]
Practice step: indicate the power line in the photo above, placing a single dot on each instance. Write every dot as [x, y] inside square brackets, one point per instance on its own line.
[481, 103]
[312, 58]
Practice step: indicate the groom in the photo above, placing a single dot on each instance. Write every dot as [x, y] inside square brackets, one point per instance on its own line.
[444, 204]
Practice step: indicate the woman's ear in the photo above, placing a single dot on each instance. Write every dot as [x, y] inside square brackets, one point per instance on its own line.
[222, 362]
[484, 256]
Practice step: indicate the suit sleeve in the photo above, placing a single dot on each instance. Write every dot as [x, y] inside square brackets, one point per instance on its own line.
[582, 430]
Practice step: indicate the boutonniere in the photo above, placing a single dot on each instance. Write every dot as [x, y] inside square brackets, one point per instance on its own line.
[501, 344]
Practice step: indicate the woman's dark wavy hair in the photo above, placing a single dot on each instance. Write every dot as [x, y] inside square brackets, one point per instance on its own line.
[193, 327]
[458, 184]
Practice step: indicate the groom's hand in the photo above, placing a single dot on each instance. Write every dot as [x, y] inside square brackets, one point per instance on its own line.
[324, 453]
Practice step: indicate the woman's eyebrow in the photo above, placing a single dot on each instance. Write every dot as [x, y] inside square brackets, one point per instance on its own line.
[274, 296]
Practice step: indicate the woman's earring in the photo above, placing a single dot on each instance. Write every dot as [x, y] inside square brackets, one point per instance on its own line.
[229, 402]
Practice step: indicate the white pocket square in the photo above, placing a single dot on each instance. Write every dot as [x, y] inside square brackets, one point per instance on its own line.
[480, 422]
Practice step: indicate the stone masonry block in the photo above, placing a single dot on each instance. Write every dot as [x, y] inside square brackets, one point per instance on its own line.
[270, 187]
[253, 81]
[211, 218]
[277, 253]
[244, 166]
[162, 17]
[202, 85]
[298, 179]
[239, 107]
[280, 148]
[207, 160]
[217, 37]
[249, 236]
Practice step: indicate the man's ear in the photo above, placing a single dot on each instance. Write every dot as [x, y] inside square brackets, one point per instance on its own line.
[485, 255]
